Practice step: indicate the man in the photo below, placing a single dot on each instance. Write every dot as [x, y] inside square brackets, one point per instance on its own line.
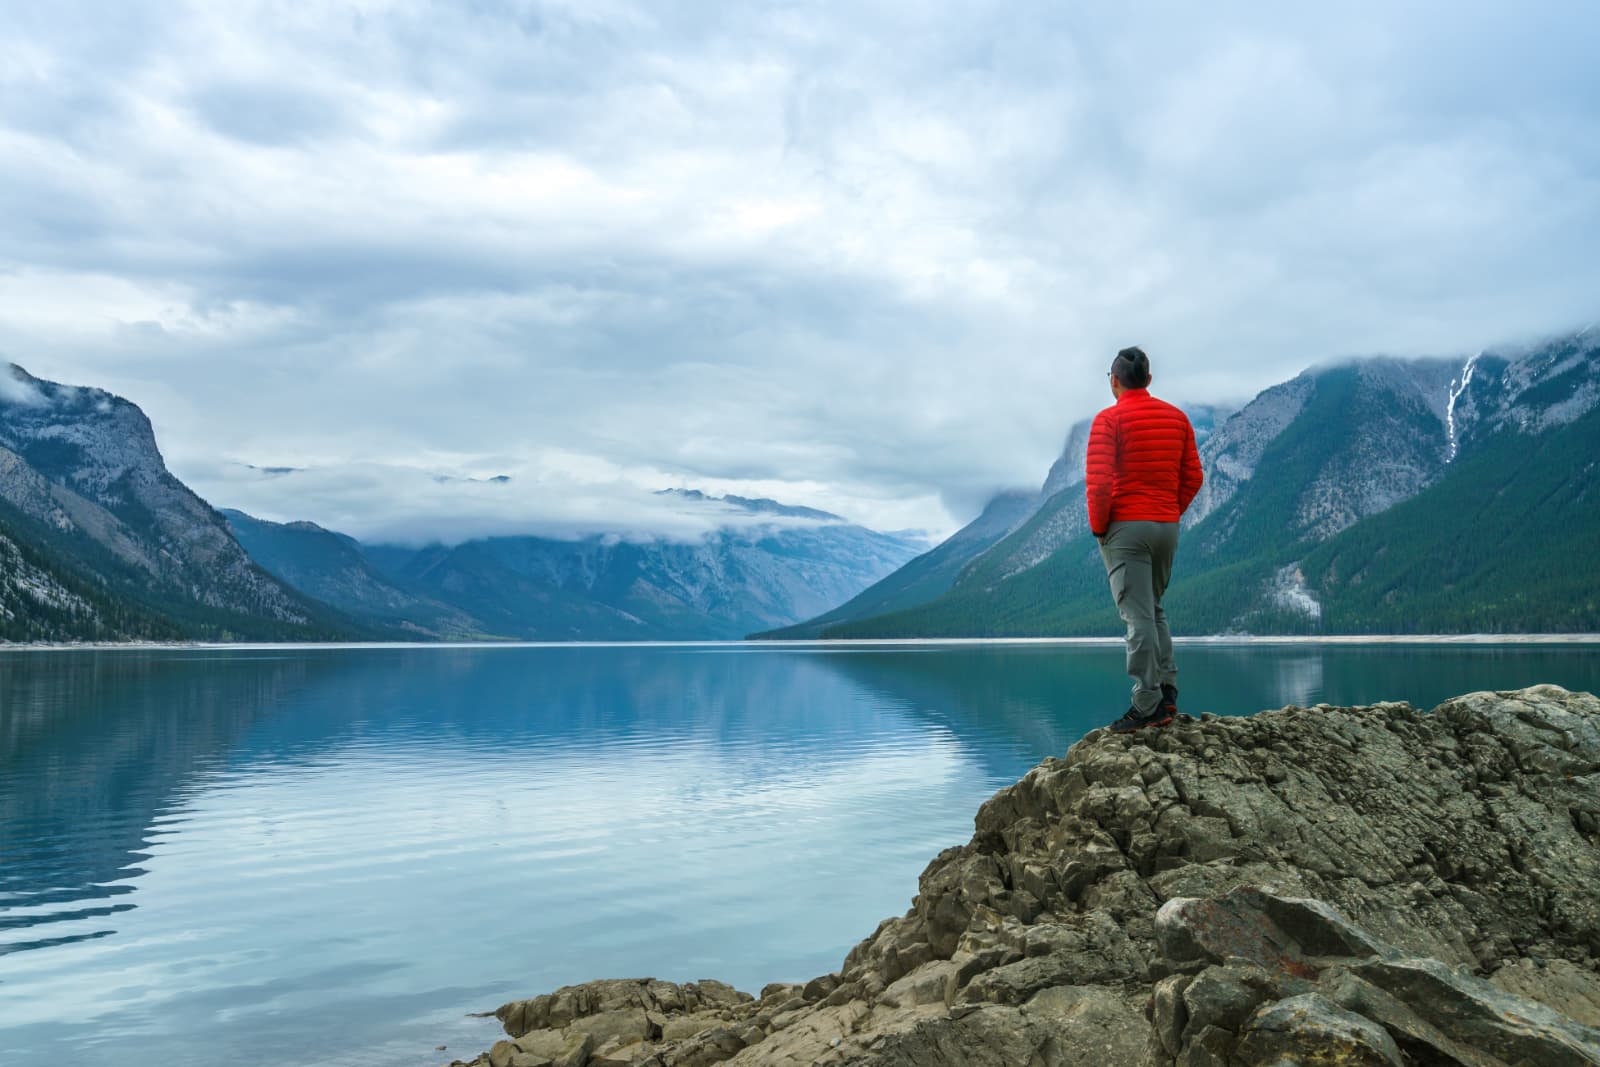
[1142, 472]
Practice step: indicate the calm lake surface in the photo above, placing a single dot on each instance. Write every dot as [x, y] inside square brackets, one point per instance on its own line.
[331, 855]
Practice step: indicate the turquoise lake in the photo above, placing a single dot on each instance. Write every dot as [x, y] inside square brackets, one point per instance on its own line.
[320, 855]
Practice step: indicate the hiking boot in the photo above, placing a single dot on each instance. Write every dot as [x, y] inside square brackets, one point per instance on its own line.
[1137, 720]
[1169, 699]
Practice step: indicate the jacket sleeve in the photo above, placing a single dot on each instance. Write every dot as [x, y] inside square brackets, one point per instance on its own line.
[1190, 477]
[1100, 473]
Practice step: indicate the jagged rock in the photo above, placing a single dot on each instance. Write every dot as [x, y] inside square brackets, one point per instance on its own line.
[1418, 1000]
[617, 1022]
[684, 1026]
[575, 1051]
[540, 1044]
[1061, 1027]
[633, 997]
[780, 990]
[1292, 978]
[623, 1027]
[1270, 886]
[819, 988]
[1089, 951]
[1561, 982]
[1310, 1029]
[621, 1056]
[933, 983]
[1221, 997]
[1249, 923]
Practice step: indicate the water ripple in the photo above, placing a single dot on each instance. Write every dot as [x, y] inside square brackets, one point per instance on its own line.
[332, 855]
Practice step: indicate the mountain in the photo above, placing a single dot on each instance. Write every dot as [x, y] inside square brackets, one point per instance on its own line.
[41, 600]
[1505, 538]
[1015, 531]
[774, 565]
[332, 568]
[1062, 517]
[1337, 444]
[1376, 495]
[927, 576]
[1420, 495]
[103, 543]
[98, 541]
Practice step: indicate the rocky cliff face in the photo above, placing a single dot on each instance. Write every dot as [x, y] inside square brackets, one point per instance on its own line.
[1531, 391]
[1373, 885]
[1235, 450]
[1324, 451]
[1360, 437]
[80, 468]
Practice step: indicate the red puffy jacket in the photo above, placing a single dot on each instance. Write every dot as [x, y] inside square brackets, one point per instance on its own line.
[1142, 462]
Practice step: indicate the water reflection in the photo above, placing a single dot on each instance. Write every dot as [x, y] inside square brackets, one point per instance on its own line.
[276, 854]
[95, 747]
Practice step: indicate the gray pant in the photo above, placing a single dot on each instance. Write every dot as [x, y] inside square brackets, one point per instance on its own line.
[1138, 559]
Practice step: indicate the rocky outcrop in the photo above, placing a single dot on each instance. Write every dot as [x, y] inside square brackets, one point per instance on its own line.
[1371, 885]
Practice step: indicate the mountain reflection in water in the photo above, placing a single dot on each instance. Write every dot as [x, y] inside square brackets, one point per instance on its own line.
[320, 854]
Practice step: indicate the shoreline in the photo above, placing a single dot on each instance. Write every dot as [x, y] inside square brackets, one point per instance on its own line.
[1216, 640]
[1284, 887]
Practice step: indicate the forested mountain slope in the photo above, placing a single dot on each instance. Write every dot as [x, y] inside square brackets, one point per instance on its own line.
[1380, 495]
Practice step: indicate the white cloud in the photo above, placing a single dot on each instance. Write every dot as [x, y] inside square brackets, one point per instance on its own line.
[560, 495]
[867, 259]
[17, 390]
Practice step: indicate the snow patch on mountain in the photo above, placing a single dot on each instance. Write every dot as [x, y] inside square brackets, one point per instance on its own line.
[1288, 590]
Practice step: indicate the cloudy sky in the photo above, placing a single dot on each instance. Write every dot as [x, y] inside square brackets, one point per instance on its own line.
[871, 258]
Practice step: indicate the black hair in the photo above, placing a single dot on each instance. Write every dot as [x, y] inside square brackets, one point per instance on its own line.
[1132, 368]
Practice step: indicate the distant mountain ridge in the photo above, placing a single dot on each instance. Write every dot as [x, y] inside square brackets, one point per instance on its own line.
[784, 563]
[333, 568]
[754, 505]
[98, 541]
[926, 577]
[1368, 459]
[734, 580]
